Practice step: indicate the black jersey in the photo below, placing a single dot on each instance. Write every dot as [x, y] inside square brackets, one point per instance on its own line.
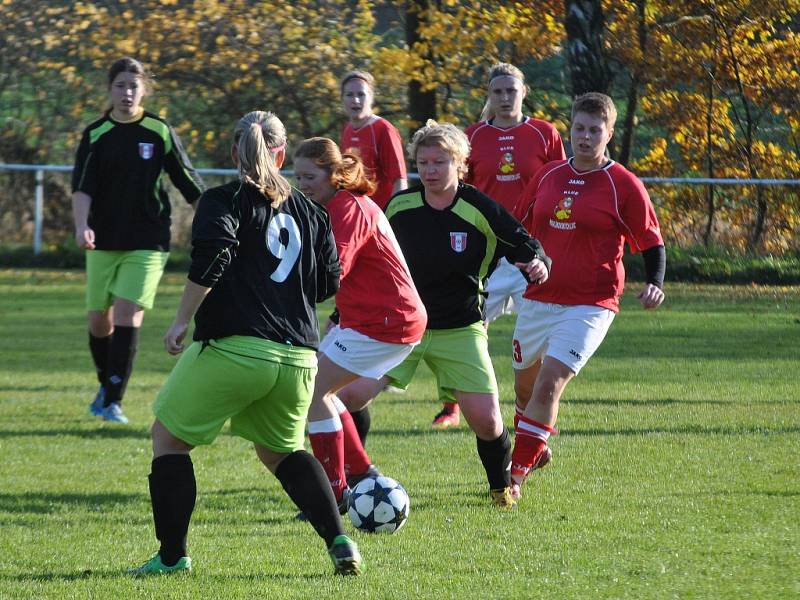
[119, 165]
[451, 252]
[267, 267]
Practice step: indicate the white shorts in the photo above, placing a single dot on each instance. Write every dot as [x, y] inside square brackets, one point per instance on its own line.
[362, 355]
[504, 290]
[570, 334]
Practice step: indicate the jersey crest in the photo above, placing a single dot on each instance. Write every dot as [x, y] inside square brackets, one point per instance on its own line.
[145, 150]
[458, 240]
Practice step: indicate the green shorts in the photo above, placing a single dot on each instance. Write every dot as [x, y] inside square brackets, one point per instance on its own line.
[459, 358]
[263, 387]
[129, 274]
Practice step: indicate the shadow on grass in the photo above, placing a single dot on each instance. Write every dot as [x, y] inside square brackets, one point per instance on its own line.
[47, 503]
[684, 430]
[115, 574]
[113, 432]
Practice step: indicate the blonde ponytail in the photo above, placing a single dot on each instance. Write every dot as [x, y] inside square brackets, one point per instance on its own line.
[258, 137]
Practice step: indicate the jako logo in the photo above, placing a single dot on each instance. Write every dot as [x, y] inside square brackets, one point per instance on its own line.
[340, 346]
[576, 182]
[576, 354]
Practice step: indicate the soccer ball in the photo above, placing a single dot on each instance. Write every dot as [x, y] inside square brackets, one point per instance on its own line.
[378, 505]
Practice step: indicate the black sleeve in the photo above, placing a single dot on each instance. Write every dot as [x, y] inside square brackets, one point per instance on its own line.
[655, 265]
[328, 269]
[83, 172]
[334, 316]
[180, 170]
[213, 238]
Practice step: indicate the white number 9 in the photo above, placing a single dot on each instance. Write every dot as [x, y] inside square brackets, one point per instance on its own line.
[287, 254]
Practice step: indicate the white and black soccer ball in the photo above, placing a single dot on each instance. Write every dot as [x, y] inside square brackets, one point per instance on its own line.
[378, 505]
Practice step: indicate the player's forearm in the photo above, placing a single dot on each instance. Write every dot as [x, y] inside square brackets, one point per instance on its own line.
[193, 296]
[81, 202]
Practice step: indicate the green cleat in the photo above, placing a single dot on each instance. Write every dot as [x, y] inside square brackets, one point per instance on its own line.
[154, 566]
[345, 556]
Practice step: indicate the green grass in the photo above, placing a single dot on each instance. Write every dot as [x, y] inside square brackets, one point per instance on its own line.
[677, 473]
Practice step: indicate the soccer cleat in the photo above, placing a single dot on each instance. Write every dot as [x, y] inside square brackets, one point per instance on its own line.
[113, 412]
[502, 498]
[154, 566]
[345, 556]
[354, 479]
[519, 476]
[446, 419]
[96, 405]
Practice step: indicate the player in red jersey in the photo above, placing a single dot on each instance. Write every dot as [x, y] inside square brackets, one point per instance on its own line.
[381, 316]
[583, 210]
[376, 141]
[508, 148]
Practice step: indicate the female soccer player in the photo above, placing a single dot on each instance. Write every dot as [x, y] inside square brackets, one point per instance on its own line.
[452, 236]
[262, 257]
[584, 210]
[507, 148]
[381, 316]
[122, 220]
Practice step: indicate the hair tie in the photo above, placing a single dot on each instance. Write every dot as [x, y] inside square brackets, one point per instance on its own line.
[277, 149]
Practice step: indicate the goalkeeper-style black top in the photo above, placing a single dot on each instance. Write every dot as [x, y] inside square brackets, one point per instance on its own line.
[267, 267]
[452, 252]
[120, 166]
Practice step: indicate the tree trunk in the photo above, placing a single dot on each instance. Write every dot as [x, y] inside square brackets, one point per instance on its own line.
[629, 125]
[586, 61]
[421, 104]
[710, 208]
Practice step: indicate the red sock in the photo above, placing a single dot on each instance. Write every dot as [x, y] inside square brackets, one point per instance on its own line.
[530, 440]
[451, 407]
[356, 459]
[327, 443]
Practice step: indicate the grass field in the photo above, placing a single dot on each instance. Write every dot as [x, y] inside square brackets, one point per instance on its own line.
[677, 473]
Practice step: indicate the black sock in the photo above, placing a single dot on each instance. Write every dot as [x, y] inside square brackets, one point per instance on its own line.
[305, 481]
[362, 420]
[99, 346]
[120, 361]
[173, 492]
[496, 459]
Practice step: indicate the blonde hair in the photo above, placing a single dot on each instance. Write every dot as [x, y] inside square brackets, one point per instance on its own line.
[446, 136]
[362, 75]
[499, 70]
[597, 104]
[258, 137]
[346, 171]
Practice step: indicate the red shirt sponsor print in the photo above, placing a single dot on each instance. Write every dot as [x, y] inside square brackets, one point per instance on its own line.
[376, 296]
[583, 221]
[502, 161]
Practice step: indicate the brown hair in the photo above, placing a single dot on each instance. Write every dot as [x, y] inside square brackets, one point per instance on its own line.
[446, 136]
[126, 64]
[362, 75]
[347, 172]
[597, 104]
[258, 136]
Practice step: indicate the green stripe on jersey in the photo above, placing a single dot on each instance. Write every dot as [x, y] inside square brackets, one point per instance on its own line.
[161, 129]
[474, 217]
[403, 202]
[95, 133]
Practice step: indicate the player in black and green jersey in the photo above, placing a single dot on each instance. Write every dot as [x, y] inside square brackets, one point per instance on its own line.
[452, 236]
[122, 219]
[262, 257]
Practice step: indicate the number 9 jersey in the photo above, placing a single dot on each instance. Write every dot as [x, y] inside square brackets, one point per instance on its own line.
[267, 267]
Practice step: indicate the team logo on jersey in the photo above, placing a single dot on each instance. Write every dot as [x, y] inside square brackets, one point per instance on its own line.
[506, 168]
[562, 212]
[145, 150]
[458, 240]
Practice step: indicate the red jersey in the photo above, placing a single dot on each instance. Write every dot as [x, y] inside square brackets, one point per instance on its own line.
[376, 294]
[379, 145]
[502, 161]
[583, 221]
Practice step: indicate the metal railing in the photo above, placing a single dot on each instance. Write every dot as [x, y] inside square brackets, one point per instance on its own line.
[40, 170]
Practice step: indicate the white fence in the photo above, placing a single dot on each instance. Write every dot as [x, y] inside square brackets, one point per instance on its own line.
[39, 171]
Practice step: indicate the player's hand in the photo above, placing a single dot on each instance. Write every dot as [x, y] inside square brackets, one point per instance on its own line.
[535, 271]
[84, 237]
[651, 297]
[329, 325]
[173, 339]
